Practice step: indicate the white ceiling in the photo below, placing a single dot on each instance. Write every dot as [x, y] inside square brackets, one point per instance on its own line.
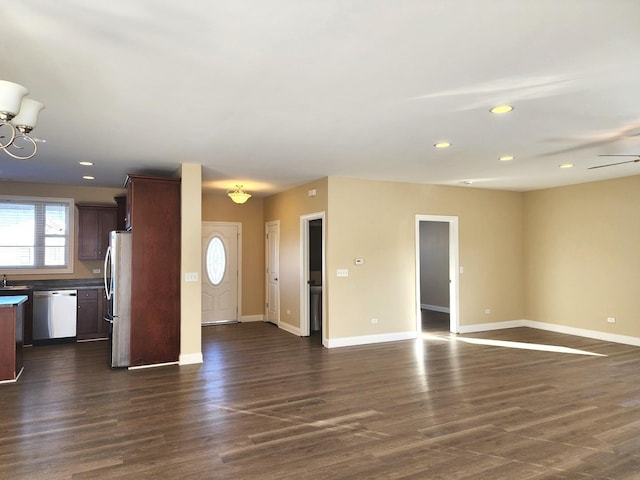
[274, 93]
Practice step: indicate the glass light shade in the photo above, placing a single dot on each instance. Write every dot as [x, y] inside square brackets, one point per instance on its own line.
[11, 95]
[238, 196]
[28, 116]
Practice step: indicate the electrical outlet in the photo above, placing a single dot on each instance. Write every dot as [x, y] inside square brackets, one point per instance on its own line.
[374, 321]
[611, 319]
[487, 311]
[96, 270]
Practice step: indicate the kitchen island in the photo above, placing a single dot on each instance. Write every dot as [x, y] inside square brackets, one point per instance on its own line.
[11, 337]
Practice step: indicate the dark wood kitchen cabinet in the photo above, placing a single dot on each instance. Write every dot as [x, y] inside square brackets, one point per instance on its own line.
[153, 213]
[121, 208]
[94, 224]
[92, 307]
[11, 337]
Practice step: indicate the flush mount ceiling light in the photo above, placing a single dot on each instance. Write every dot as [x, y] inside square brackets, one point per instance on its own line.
[86, 164]
[506, 158]
[442, 145]
[238, 195]
[18, 116]
[501, 109]
[566, 165]
[89, 177]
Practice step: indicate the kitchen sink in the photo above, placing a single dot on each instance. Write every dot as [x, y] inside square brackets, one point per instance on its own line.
[14, 287]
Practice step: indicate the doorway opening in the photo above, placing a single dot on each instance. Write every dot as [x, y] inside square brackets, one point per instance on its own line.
[312, 298]
[437, 274]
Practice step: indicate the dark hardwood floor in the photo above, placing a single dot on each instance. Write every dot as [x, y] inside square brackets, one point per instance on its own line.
[269, 405]
[433, 321]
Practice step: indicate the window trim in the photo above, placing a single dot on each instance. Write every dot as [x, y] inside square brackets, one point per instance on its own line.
[71, 236]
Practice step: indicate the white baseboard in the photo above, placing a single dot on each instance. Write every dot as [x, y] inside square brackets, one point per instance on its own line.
[583, 332]
[289, 328]
[153, 365]
[368, 339]
[552, 327]
[484, 327]
[252, 318]
[190, 358]
[435, 308]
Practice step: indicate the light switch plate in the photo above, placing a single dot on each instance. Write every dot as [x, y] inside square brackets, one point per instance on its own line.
[342, 272]
[191, 277]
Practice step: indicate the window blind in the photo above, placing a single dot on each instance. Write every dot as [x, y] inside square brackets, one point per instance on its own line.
[35, 233]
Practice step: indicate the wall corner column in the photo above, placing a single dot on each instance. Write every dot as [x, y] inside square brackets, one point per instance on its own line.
[190, 263]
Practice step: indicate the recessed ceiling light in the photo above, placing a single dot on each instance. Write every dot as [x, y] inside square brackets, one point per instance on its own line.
[501, 109]
[442, 145]
[506, 158]
[566, 165]
[86, 164]
[89, 177]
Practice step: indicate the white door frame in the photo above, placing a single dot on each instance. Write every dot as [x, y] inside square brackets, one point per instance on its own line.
[239, 225]
[305, 300]
[275, 223]
[454, 271]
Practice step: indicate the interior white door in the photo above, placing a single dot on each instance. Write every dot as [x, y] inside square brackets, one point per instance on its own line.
[220, 267]
[273, 262]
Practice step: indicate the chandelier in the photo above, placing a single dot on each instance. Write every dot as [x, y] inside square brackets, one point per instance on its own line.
[238, 195]
[18, 116]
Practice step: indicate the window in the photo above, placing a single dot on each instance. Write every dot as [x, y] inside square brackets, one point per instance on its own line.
[36, 235]
[216, 260]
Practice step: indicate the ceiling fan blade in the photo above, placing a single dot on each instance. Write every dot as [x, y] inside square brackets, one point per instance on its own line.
[619, 155]
[617, 163]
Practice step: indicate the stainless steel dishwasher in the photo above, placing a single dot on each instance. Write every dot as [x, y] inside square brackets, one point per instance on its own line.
[54, 316]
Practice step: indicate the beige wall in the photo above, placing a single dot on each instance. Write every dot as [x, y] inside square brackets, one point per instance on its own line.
[220, 208]
[81, 269]
[287, 207]
[190, 262]
[583, 255]
[376, 221]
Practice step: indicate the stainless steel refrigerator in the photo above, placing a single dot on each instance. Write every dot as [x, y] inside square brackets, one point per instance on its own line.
[117, 284]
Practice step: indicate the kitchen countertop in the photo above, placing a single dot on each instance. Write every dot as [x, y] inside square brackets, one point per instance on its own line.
[12, 301]
[59, 284]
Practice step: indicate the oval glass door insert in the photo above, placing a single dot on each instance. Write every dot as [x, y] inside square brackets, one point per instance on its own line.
[216, 260]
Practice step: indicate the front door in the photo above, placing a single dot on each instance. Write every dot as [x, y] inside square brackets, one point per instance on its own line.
[220, 267]
[273, 287]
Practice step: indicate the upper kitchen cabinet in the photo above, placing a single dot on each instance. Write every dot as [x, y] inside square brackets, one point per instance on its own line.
[121, 207]
[94, 224]
[153, 212]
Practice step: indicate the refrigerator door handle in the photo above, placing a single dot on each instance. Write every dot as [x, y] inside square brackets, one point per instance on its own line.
[107, 256]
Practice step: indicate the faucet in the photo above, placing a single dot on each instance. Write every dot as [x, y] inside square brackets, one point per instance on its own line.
[4, 280]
